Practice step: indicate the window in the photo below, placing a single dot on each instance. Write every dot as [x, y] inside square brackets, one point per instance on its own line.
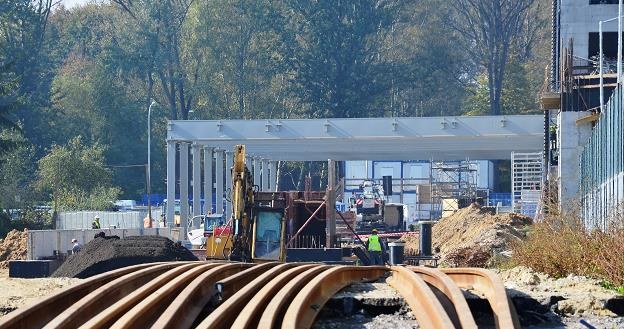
[609, 44]
[268, 231]
[603, 2]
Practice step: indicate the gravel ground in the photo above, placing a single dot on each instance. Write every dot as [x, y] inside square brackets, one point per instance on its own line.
[576, 295]
[365, 321]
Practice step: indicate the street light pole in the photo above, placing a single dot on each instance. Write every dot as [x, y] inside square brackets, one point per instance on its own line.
[601, 59]
[619, 53]
[149, 164]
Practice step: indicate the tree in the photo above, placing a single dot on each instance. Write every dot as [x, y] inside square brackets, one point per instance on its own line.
[242, 47]
[23, 25]
[489, 29]
[424, 61]
[336, 71]
[77, 177]
[160, 25]
[8, 107]
[16, 168]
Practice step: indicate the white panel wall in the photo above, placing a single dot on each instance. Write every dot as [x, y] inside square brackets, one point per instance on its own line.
[42, 243]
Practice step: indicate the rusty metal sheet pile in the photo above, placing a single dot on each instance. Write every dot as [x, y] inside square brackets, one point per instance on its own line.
[239, 295]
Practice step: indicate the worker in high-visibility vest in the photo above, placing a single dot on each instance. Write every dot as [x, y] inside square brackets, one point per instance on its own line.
[373, 245]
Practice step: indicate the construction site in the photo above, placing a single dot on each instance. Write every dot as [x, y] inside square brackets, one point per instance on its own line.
[402, 223]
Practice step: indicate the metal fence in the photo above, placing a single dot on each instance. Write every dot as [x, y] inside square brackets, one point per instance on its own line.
[602, 167]
[119, 219]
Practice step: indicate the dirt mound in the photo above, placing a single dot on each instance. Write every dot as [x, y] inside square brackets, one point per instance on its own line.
[109, 253]
[473, 234]
[13, 247]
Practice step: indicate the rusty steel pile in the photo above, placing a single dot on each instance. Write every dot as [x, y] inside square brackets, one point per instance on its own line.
[243, 295]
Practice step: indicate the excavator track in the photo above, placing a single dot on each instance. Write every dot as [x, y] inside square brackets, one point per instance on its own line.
[241, 295]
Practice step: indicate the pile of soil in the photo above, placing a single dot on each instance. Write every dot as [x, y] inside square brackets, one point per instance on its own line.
[104, 254]
[13, 247]
[472, 236]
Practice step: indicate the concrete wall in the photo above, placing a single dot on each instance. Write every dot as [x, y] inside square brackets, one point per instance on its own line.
[42, 243]
[578, 18]
[571, 139]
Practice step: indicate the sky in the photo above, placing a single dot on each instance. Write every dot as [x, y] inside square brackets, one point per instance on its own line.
[73, 3]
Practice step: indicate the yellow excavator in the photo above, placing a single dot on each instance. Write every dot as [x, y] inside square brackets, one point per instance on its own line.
[256, 230]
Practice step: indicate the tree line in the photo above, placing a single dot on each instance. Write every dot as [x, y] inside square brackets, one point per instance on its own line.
[76, 84]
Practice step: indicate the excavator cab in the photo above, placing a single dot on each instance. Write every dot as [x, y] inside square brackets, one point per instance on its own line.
[268, 235]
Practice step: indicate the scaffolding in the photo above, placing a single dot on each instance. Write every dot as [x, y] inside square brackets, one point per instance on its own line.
[453, 186]
[526, 180]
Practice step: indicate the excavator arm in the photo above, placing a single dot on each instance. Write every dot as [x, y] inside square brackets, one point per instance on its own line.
[242, 206]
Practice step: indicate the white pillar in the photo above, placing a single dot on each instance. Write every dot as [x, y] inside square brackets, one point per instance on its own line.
[229, 162]
[196, 149]
[208, 180]
[257, 170]
[248, 164]
[273, 176]
[219, 182]
[184, 183]
[265, 175]
[171, 182]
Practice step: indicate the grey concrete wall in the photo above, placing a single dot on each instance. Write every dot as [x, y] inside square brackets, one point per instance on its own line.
[571, 139]
[578, 18]
[42, 243]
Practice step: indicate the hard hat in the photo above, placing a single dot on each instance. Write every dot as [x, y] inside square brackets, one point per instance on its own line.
[74, 240]
[374, 230]
[97, 217]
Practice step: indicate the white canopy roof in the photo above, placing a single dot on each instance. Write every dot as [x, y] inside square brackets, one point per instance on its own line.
[438, 138]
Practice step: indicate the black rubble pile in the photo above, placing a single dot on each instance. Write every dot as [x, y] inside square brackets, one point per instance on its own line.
[104, 254]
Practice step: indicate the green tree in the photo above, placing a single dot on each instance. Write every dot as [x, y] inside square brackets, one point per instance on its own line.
[337, 74]
[8, 107]
[159, 31]
[490, 30]
[240, 49]
[519, 96]
[77, 177]
[16, 168]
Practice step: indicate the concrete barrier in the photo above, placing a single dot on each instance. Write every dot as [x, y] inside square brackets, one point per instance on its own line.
[43, 243]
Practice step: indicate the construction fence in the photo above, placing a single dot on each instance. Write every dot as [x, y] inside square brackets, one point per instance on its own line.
[602, 167]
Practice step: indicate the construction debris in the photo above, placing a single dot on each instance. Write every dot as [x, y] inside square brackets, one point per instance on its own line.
[108, 253]
[473, 236]
[13, 247]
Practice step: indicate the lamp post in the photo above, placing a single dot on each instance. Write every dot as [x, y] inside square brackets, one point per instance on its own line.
[149, 163]
[619, 53]
[601, 59]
